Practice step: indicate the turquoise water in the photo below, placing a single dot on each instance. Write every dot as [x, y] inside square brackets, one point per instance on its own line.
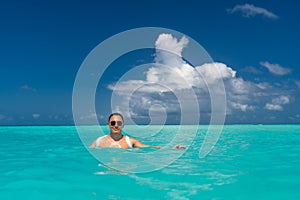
[248, 162]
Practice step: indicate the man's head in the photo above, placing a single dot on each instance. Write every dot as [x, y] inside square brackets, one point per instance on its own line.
[115, 123]
[115, 114]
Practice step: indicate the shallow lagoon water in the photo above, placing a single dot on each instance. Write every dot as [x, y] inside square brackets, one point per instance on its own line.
[248, 162]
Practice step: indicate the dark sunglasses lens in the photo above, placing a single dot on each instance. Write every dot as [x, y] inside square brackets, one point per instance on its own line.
[112, 123]
[120, 123]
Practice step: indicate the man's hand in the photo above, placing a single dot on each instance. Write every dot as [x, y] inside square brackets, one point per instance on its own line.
[178, 146]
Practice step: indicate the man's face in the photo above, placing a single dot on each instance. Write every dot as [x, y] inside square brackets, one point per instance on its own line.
[116, 124]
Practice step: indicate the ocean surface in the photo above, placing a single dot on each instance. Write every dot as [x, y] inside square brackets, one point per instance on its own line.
[247, 162]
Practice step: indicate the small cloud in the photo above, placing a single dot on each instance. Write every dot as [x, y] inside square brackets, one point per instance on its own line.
[270, 106]
[264, 86]
[249, 10]
[242, 107]
[35, 115]
[281, 100]
[277, 103]
[275, 68]
[2, 117]
[89, 116]
[56, 117]
[297, 83]
[26, 87]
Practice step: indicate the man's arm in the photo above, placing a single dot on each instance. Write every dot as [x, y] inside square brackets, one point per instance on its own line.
[137, 144]
[93, 145]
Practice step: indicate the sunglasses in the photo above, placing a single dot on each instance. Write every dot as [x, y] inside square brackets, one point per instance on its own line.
[113, 123]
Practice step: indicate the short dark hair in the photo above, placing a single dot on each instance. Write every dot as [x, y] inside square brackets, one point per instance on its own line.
[113, 114]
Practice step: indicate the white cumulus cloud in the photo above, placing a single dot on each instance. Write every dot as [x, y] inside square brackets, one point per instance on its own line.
[209, 71]
[171, 79]
[169, 43]
[172, 75]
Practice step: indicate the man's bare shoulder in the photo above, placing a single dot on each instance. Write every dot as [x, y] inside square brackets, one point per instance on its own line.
[136, 143]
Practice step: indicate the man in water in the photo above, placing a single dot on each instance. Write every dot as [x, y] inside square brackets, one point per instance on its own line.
[116, 139]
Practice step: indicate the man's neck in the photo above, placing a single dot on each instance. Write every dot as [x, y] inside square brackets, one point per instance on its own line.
[116, 136]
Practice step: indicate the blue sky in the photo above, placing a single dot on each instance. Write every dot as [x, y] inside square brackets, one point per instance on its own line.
[43, 44]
